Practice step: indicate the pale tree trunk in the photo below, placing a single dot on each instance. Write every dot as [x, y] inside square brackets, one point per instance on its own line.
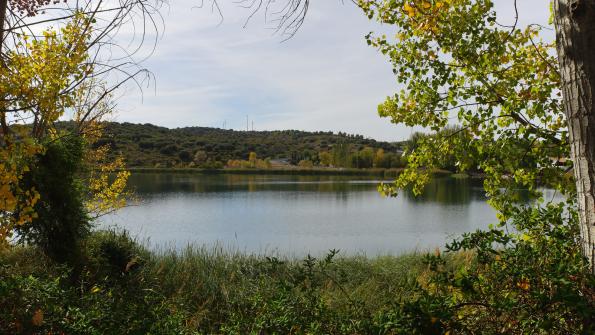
[575, 38]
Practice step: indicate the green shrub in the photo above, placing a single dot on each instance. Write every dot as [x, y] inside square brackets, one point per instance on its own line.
[62, 220]
[531, 281]
[109, 298]
[113, 255]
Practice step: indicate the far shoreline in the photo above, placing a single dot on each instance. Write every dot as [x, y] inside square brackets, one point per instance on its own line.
[389, 173]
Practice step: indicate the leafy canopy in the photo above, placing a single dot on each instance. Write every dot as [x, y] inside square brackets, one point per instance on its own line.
[456, 64]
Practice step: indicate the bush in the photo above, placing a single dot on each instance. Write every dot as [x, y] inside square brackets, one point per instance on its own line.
[30, 305]
[113, 255]
[169, 150]
[533, 281]
[112, 296]
[62, 220]
[185, 156]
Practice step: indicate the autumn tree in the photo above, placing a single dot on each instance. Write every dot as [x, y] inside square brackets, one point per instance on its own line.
[325, 158]
[58, 62]
[501, 83]
[252, 159]
[379, 159]
[520, 112]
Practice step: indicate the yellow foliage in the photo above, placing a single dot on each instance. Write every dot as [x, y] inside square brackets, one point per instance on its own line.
[523, 284]
[41, 79]
[39, 72]
[107, 183]
[16, 204]
[409, 10]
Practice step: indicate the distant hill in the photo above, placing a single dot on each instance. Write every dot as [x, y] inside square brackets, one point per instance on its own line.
[147, 145]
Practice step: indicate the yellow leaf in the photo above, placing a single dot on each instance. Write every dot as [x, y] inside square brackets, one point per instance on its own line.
[408, 9]
[523, 284]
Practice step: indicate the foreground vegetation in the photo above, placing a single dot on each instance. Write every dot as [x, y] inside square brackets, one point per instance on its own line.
[122, 288]
[125, 289]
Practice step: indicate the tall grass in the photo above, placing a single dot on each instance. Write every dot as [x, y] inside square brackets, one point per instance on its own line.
[128, 289]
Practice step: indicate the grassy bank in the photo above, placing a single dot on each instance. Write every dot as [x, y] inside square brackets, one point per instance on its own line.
[125, 289]
[122, 288]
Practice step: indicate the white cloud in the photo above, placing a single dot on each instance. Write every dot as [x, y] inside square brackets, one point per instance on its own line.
[325, 78]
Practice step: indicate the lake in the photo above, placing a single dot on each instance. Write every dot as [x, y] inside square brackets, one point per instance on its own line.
[295, 215]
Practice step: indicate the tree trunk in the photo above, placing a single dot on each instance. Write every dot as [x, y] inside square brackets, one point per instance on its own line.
[3, 125]
[3, 7]
[575, 39]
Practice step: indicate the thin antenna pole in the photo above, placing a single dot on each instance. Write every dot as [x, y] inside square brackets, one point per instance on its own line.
[246, 122]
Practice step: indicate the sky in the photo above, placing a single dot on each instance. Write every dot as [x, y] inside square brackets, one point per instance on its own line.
[208, 72]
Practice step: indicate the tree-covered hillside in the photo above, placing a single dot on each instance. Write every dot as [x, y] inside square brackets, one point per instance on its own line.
[146, 145]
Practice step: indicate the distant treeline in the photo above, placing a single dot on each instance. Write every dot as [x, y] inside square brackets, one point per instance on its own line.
[147, 145]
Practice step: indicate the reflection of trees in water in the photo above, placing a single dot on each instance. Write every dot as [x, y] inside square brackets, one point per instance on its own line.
[448, 190]
[147, 183]
[444, 190]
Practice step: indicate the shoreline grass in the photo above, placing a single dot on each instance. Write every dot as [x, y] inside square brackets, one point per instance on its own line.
[126, 288]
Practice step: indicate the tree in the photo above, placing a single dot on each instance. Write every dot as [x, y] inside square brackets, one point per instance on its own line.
[379, 159]
[61, 214]
[305, 164]
[575, 33]
[449, 161]
[363, 158]
[252, 159]
[185, 156]
[501, 83]
[325, 158]
[200, 157]
[47, 73]
[340, 154]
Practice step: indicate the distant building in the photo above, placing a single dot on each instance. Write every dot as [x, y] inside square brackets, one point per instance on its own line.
[280, 162]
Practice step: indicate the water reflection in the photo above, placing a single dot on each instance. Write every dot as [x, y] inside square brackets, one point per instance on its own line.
[151, 183]
[296, 215]
[444, 190]
[450, 191]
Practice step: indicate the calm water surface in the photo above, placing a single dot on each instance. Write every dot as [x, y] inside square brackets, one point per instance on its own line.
[297, 215]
